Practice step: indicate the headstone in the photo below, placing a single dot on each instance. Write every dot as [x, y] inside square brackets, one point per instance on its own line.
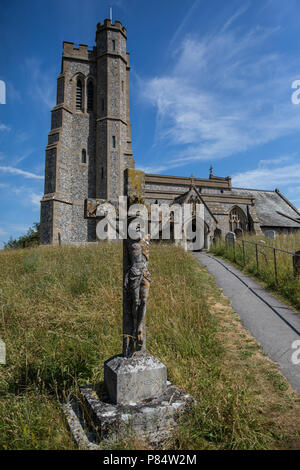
[270, 234]
[238, 232]
[230, 238]
[296, 263]
[2, 352]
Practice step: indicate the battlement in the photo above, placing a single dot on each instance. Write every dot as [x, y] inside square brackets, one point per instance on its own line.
[116, 26]
[81, 52]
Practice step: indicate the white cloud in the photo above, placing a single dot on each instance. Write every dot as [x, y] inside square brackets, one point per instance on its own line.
[2, 232]
[16, 171]
[235, 16]
[42, 85]
[3, 127]
[223, 96]
[151, 169]
[35, 199]
[184, 22]
[268, 176]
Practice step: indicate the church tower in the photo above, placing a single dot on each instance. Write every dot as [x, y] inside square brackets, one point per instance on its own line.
[89, 144]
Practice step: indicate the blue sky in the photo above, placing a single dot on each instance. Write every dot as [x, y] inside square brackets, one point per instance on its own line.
[210, 85]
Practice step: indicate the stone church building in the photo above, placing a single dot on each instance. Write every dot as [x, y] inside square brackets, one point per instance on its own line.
[89, 148]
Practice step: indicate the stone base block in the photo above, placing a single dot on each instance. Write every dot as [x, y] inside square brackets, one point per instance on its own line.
[131, 380]
[95, 422]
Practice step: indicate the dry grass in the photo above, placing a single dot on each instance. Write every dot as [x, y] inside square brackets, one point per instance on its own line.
[287, 286]
[61, 318]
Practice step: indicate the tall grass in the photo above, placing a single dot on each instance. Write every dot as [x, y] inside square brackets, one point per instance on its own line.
[61, 317]
[285, 282]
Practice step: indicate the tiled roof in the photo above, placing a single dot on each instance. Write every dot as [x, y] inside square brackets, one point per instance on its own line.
[268, 204]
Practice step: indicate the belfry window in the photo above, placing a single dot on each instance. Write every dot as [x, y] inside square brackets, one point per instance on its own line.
[90, 96]
[113, 45]
[83, 156]
[79, 100]
[113, 141]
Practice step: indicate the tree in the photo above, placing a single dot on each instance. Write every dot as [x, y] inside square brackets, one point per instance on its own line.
[30, 239]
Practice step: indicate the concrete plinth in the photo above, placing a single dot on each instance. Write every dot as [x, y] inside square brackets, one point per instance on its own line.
[95, 422]
[132, 380]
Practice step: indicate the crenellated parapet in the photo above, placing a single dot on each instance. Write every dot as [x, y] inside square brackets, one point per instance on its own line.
[82, 52]
[116, 26]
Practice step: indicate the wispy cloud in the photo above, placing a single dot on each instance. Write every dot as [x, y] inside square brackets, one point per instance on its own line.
[19, 158]
[35, 199]
[235, 16]
[25, 195]
[270, 174]
[42, 85]
[183, 23]
[152, 169]
[16, 171]
[4, 127]
[223, 96]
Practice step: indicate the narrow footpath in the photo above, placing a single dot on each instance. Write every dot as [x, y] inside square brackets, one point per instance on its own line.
[275, 326]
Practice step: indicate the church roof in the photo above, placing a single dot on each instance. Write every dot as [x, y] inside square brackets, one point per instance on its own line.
[272, 208]
[185, 197]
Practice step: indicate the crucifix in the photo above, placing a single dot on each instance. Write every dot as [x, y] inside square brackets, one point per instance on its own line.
[136, 275]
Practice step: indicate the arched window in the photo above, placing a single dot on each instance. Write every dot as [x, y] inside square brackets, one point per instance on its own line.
[83, 156]
[79, 89]
[90, 96]
[237, 219]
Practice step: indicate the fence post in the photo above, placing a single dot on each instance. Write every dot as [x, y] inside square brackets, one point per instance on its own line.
[256, 256]
[296, 264]
[275, 265]
[244, 258]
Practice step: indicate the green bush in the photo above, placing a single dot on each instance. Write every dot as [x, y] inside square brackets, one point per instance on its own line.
[30, 239]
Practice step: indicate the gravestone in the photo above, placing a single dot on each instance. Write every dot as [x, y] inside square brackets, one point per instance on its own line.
[136, 395]
[238, 232]
[2, 352]
[230, 238]
[270, 234]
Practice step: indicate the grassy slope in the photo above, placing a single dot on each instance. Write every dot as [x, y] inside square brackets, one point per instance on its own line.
[61, 318]
[288, 287]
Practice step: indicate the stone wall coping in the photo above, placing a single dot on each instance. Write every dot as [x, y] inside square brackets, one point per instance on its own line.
[186, 180]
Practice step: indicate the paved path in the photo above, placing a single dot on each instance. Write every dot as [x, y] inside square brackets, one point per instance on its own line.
[270, 321]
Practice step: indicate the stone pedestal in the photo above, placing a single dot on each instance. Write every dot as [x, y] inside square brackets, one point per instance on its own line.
[96, 423]
[132, 380]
